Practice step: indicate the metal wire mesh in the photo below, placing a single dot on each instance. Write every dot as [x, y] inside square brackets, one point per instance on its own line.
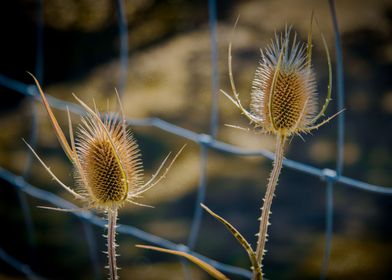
[206, 142]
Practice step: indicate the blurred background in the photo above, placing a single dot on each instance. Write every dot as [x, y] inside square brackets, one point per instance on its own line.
[169, 76]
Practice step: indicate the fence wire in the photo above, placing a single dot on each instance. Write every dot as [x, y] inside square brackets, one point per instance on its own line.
[91, 218]
[205, 142]
[21, 267]
[340, 142]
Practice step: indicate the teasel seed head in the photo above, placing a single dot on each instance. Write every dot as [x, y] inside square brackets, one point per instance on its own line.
[284, 96]
[110, 165]
[106, 159]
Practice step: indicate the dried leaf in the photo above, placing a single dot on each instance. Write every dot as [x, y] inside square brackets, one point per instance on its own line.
[241, 240]
[202, 264]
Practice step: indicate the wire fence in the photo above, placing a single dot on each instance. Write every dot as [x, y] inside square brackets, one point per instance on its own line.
[206, 142]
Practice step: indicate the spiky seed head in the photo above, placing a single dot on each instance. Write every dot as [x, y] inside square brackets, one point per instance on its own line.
[110, 166]
[283, 93]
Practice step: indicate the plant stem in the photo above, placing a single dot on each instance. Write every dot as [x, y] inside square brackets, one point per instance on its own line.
[111, 243]
[269, 194]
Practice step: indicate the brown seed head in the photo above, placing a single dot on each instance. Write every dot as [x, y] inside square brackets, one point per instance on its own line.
[110, 167]
[106, 159]
[283, 93]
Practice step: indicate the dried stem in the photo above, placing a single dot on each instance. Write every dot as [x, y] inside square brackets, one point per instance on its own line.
[265, 209]
[111, 243]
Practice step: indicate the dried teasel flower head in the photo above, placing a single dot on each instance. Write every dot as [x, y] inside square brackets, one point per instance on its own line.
[110, 168]
[106, 159]
[284, 95]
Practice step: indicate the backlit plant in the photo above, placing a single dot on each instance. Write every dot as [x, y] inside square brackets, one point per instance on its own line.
[284, 104]
[107, 166]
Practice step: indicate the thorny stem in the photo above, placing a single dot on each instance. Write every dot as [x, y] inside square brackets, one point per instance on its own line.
[269, 194]
[111, 243]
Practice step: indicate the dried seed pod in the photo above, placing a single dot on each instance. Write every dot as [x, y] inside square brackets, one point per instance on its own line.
[110, 162]
[106, 159]
[283, 95]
